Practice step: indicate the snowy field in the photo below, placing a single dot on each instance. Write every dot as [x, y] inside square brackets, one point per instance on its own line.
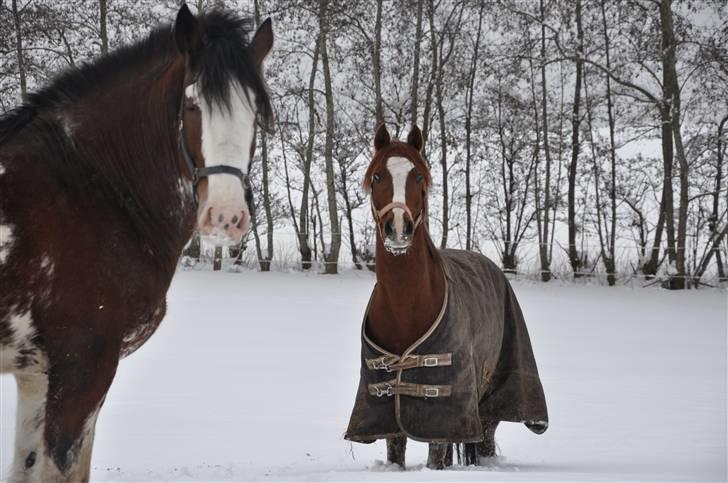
[252, 377]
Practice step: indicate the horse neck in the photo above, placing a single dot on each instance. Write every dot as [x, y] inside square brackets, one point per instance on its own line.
[133, 127]
[409, 293]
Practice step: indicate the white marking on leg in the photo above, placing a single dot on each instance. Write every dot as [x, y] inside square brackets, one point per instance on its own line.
[2, 170]
[30, 453]
[399, 168]
[22, 346]
[6, 242]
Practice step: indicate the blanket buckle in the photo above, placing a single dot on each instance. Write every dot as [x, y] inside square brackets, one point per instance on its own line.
[385, 392]
[432, 392]
[430, 361]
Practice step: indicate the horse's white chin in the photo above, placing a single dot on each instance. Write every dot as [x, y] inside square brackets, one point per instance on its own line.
[396, 249]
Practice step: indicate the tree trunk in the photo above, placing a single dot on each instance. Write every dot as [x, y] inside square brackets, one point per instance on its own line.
[331, 256]
[303, 238]
[19, 48]
[543, 248]
[193, 249]
[416, 67]
[713, 225]
[377, 65]
[609, 255]
[426, 121]
[102, 27]
[468, 131]
[672, 95]
[265, 259]
[443, 153]
[574, 257]
[217, 259]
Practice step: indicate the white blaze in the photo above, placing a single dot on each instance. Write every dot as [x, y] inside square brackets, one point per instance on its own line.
[226, 139]
[399, 168]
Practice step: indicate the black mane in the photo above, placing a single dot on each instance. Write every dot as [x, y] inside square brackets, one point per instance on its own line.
[224, 56]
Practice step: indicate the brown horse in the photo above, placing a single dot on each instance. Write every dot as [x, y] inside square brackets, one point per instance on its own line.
[445, 351]
[102, 176]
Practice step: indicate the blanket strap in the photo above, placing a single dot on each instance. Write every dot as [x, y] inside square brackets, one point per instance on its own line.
[392, 387]
[396, 363]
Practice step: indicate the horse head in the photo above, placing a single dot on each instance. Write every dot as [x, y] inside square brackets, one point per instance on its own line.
[224, 100]
[398, 179]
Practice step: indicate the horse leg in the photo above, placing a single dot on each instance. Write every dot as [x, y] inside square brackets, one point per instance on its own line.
[77, 387]
[396, 448]
[29, 426]
[439, 456]
[486, 448]
[470, 454]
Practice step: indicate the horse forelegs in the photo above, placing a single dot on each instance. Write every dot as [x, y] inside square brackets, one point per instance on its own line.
[486, 448]
[396, 448]
[76, 390]
[439, 456]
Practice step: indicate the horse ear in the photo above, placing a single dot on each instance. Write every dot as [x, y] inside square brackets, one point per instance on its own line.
[382, 137]
[262, 41]
[186, 31]
[414, 138]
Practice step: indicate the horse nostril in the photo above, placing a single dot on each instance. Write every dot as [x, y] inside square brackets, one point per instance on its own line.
[388, 228]
[409, 227]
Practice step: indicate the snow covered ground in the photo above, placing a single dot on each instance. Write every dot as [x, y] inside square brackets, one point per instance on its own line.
[252, 377]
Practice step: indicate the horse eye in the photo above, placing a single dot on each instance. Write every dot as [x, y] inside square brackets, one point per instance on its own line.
[419, 178]
[376, 178]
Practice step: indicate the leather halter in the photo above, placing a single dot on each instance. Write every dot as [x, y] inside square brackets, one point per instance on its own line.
[204, 172]
[378, 214]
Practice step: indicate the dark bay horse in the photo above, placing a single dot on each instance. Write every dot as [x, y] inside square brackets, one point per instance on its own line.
[103, 175]
[446, 354]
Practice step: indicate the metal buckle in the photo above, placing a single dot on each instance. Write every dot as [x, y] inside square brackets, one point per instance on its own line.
[380, 364]
[381, 392]
[430, 361]
[432, 391]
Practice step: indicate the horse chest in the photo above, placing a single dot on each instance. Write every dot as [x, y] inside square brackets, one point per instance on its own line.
[146, 324]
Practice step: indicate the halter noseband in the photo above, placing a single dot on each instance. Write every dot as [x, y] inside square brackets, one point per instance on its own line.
[199, 173]
[379, 214]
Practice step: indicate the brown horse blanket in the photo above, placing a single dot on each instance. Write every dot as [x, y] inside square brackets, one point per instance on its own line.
[474, 363]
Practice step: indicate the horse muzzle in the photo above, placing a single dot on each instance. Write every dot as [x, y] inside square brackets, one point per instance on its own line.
[397, 233]
[224, 217]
